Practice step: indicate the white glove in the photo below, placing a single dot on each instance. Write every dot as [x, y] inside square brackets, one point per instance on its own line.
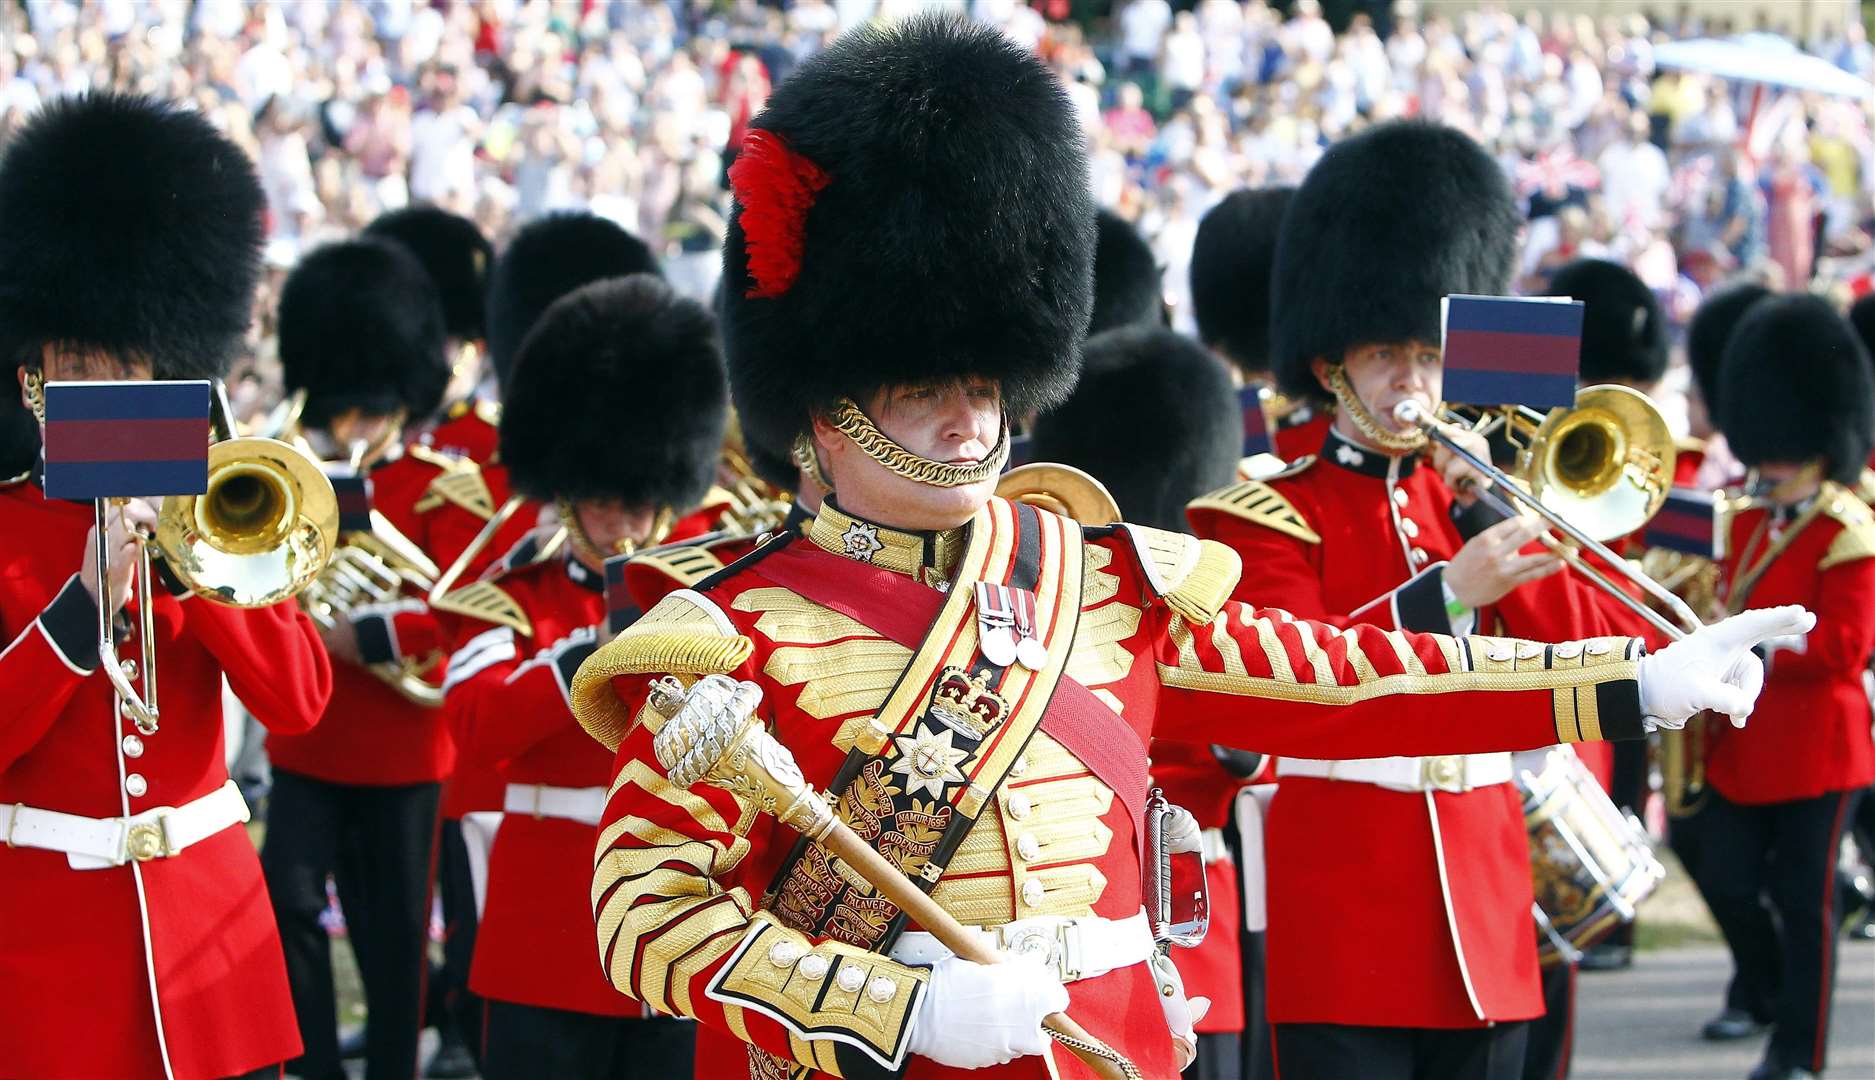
[978, 1015]
[1713, 668]
[1181, 1013]
[1181, 831]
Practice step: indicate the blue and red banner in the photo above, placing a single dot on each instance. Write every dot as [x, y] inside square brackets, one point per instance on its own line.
[353, 489]
[1685, 523]
[1256, 428]
[1512, 350]
[109, 440]
[620, 611]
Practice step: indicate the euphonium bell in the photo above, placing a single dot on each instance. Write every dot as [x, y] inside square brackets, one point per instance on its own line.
[262, 531]
[1061, 489]
[1606, 464]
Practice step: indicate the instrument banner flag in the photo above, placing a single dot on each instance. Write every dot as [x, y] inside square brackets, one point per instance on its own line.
[1685, 524]
[1256, 428]
[1512, 350]
[353, 491]
[108, 440]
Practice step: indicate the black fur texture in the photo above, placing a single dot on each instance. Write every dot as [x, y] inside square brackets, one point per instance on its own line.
[455, 253]
[1127, 286]
[1624, 332]
[955, 237]
[1147, 379]
[1795, 385]
[1387, 224]
[550, 257]
[1231, 261]
[618, 393]
[1711, 327]
[361, 327]
[128, 226]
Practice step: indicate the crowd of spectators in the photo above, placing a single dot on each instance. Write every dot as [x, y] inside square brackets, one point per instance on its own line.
[507, 109]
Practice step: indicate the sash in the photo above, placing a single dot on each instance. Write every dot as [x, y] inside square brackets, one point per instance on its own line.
[955, 722]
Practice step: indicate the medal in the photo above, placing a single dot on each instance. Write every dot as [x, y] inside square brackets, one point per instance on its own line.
[1030, 652]
[996, 624]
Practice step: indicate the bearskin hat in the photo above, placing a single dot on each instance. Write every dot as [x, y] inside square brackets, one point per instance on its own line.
[361, 327]
[1711, 327]
[550, 257]
[1862, 317]
[1624, 333]
[1795, 384]
[618, 393]
[128, 226]
[1167, 384]
[1387, 224]
[913, 204]
[455, 253]
[19, 435]
[1127, 289]
[1230, 275]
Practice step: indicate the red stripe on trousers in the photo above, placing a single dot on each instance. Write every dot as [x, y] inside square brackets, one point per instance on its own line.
[1829, 934]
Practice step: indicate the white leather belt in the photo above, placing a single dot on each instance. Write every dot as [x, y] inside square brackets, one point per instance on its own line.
[1215, 849]
[1079, 947]
[585, 805]
[1457, 772]
[94, 843]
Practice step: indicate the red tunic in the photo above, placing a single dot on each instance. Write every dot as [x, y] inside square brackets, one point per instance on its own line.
[1810, 732]
[373, 735]
[679, 874]
[535, 943]
[80, 949]
[1372, 921]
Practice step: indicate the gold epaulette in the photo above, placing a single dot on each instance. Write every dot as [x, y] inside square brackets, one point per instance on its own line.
[1193, 576]
[1857, 538]
[685, 564]
[462, 485]
[488, 602]
[685, 634]
[1257, 502]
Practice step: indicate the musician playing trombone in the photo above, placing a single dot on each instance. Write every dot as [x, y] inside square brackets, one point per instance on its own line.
[135, 936]
[908, 264]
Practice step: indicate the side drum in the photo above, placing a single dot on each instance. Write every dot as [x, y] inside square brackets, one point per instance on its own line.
[1591, 864]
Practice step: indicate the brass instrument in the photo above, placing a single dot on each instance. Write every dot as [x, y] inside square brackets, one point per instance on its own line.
[1062, 489]
[1608, 461]
[262, 530]
[752, 505]
[375, 566]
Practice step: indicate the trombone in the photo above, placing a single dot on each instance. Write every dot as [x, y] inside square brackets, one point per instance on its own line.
[263, 529]
[1589, 456]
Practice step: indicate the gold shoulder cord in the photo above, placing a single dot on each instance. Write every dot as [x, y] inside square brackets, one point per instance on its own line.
[850, 421]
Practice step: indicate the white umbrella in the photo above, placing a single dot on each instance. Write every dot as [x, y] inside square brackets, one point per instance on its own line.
[1765, 59]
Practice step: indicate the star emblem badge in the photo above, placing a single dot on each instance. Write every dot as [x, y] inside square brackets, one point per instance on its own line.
[861, 541]
[928, 760]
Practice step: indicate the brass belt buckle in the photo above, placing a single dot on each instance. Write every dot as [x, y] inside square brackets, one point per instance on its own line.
[1444, 773]
[148, 840]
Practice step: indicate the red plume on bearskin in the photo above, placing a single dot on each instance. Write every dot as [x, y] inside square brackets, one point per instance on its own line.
[774, 187]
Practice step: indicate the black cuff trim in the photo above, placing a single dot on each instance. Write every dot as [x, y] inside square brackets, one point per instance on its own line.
[1618, 704]
[1419, 605]
[567, 663]
[376, 645]
[71, 624]
[856, 1064]
[1476, 518]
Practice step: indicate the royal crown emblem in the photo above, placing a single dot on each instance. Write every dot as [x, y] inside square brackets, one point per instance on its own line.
[966, 704]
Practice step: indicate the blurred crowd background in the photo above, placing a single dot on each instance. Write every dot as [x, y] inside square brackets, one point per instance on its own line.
[507, 109]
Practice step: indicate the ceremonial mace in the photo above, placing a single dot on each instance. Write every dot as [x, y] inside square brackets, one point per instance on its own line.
[729, 748]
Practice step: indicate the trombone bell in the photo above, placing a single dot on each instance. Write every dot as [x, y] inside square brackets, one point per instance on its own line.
[263, 530]
[1606, 464]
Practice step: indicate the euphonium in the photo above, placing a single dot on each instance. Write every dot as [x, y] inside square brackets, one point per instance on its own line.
[1062, 489]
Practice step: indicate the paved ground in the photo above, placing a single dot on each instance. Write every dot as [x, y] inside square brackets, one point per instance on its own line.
[1644, 1022]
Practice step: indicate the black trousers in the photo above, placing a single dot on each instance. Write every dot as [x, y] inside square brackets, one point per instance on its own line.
[377, 843]
[1551, 1042]
[454, 1004]
[1769, 875]
[521, 1042]
[1220, 1057]
[1342, 1052]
